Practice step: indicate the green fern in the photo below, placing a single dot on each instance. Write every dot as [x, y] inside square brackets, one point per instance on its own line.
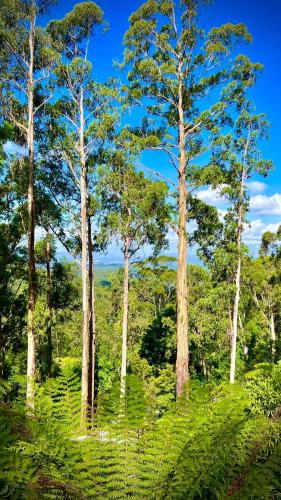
[211, 447]
[17, 471]
[110, 455]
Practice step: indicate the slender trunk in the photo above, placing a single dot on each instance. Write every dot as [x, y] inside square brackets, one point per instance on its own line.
[2, 350]
[272, 335]
[240, 322]
[93, 347]
[57, 344]
[237, 285]
[49, 305]
[30, 388]
[235, 322]
[230, 317]
[270, 321]
[92, 322]
[2, 361]
[245, 347]
[182, 373]
[203, 365]
[125, 317]
[85, 302]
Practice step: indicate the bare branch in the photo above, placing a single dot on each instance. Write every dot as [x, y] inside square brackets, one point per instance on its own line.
[97, 108]
[42, 104]
[65, 244]
[174, 158]
[41, 78]
[17, 123]
[70, 120]
[72, 169]
[154, 172]
[15, 83]
[176, 229]
[22, 61]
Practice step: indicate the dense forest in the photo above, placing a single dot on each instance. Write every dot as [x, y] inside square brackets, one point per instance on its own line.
[158, 378]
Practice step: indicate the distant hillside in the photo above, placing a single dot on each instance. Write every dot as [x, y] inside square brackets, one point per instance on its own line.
[104, 272]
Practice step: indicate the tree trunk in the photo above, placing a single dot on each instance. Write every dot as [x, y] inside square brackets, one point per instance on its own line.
[92, 322]
[85, 301]
[49, 305]
[273, 335]
[237, 285]
[2, 350]
[30, 388]
[270, 321]
[182, 374]
[2, 362]
[203, 365]
[125, 318]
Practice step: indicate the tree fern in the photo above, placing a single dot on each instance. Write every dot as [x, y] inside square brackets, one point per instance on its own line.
[17, 471]
[60, 398]
[215, 447]
[260, 477]
[110, 456]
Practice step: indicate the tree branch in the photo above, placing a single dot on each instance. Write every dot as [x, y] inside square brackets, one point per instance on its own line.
[154, 172]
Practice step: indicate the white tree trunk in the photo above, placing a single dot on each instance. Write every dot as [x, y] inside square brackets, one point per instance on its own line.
[84, 262]
[182, 372]
[125, 317]
[30, 387]
[273, 335]
[92, 320]
[49, 305]
[235, 322]
[237, 286]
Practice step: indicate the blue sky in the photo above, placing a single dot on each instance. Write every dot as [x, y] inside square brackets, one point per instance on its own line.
[263, 21]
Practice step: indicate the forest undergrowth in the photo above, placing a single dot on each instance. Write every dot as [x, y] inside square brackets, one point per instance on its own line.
[224, 442]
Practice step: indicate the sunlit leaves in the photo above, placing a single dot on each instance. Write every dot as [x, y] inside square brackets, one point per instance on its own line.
[221, 40]
[77, 25]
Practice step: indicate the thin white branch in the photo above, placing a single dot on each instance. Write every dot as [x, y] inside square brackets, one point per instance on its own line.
[17, 55]
[72, 169]
[70, 120]
[42, 103]
[154, 172]
[17, 123]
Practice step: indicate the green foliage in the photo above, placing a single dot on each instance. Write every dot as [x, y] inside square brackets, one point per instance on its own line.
[166, 50]
[264, 386]
[212, 447]
[134, 207]
[17, 470]
[77, 25]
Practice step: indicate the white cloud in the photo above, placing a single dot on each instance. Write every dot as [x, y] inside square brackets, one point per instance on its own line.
[266, 205]
[222, 214]
[214, 197]
[256, 187]
[171, 235]
[12, 148]
[211, 196]
[255, 229]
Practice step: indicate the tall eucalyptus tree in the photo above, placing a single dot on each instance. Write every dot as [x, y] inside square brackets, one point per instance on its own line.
[26, 62]
[239, 156]
[134, 212]
[175, 72]
[84, 123]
